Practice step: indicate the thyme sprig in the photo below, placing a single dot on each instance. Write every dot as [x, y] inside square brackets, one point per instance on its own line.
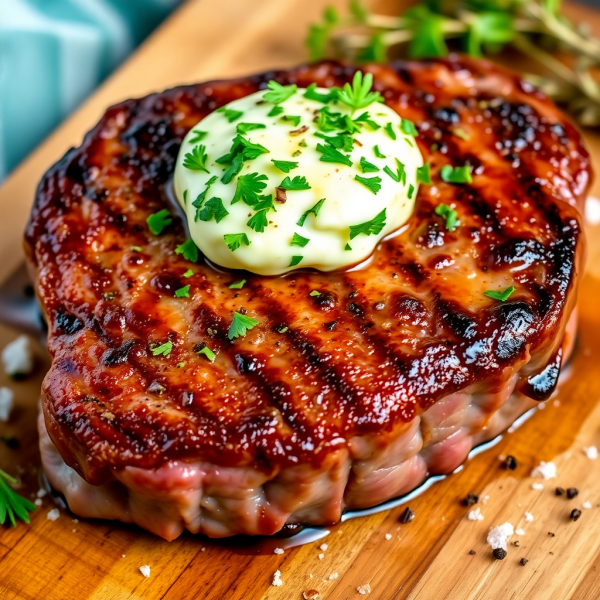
[12, 506]
[534, 28]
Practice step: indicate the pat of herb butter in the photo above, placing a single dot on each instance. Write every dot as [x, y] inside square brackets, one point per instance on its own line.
[271, 191]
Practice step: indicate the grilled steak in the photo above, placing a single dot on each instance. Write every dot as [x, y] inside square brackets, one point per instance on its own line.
[335, 401]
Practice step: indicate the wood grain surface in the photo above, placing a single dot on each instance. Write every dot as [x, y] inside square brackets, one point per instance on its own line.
[429, 558]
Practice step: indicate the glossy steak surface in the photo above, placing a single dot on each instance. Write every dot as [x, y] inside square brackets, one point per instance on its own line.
[377, 347]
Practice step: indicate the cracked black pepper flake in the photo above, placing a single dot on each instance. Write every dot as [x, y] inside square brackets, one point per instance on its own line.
[551, 534]
[575, 514]
[510, 462]
[516, 543]
[560, 491]
[472, 552]
[470, 499]
[499, 553]
[407, 516]
[353, 294]
[523, 561]
[572, 492]
[331, 325]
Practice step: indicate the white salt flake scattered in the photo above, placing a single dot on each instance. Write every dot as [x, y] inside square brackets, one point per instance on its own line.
[53, 514]
[278, 551]
[498, 536]
[323, 547]
[537, 486]
[122, 555]
[388, 536]
[333, 576]
[203, 550]
[38, 502]
[145, 570]
[528, 517]
[541, 406]
[545, 470]
[17, 357]
[41, 493]
[321, 556]
[591, 452]
[587, 504]
[277, 581]
[520, 531]
[363, 590]
[75, 520]
[484, 499]
[475, 515]
[7, 401]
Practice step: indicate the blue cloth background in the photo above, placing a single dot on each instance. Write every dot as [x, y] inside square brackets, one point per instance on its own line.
[53, 53]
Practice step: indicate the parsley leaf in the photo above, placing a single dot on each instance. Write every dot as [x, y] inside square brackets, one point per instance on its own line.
[408, 127]
[275, 111]
[206, 351]
[451, 174]
[248, 188]
[237, 285]
[341, 141]
[183, 292]
[298, 240]
[377, 152]
[234, 168]
[359, 95]
[444, 211]
[198, 136]
[293, 119]
[399, 175]
[295, 260]
[279, 93]
[390, 131]
[298, 183]
[196, 159]
[213, 209]
[373, 183]
[312, 94]
[314, 210]
[158, 221]
[188, 273]
[189, 250]
[503, 296]
[11, 504]
[230, 114]
[164, 349]
[330, 154]
[373, 227]
[315, 293]
[424, 174]
[366, 118]
[201, 197]
[367, 167]
[240, 325]
[285, 165]
[411, 191]
[347, 248]
[243, 128]
[235, 240]
[259, 220]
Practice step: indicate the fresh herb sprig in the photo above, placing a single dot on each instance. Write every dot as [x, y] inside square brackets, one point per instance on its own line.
[11, 504]
[534, 28]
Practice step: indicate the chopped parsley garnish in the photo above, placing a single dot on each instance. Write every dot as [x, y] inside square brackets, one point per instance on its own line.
[279, 93]
[451, 174]
[366, 118]
[188, 273]
[330, 154]
[411, 191]
[399, 175]
[158, 221]
[295, 260]
[240, 325]
[198, 136]
[293, 119]
[230, 114]
[237, 285]
[347, 248]
[11, 504]
[373, 183]
[359, 94]
[285, 165]
[275, 111]
[314, 210]
[503, 296]
[163, 349]
[196, 159]
[213, 209]
[373, 227]
[312, 94]
[315, 293]
[297, 153]
[241, 150]
[341, 141]
[246, 127]
[206, 351]
[235, 240]
[189, 250]
[302, 143]
[377, 152]
[390, 131]
[135, 249]
[259, 220]
[201, 197]
[367, 167]
[185, 193]
[424, 174]
[408, 127]
[444, 211]
[183, 292]
[330, 121]
[248, 188]
[298, 240]
[461, 133]
[350, 125]
[297, 183]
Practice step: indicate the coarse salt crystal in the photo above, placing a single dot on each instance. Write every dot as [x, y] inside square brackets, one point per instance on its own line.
[41, 493]
[537, 486]
[7, 401]
[38, 502]
[145, 570]
[323, 547]
[277, 581]
[475, 515]
[363, 590]
[333, 576]
[528, 517]
[498, 536]
[321, 556]
[587, 505]
[17, 357]
[278, 551]
[53, 514]
[203, 550]
[388, 536]
[591, 452]
[541, 406]
[484, 499]
[520, 531]
[545, 470]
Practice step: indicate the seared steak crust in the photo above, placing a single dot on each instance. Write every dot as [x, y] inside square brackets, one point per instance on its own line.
[380, 344]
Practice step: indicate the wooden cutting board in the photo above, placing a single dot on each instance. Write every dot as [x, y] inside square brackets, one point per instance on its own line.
[441, 554]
